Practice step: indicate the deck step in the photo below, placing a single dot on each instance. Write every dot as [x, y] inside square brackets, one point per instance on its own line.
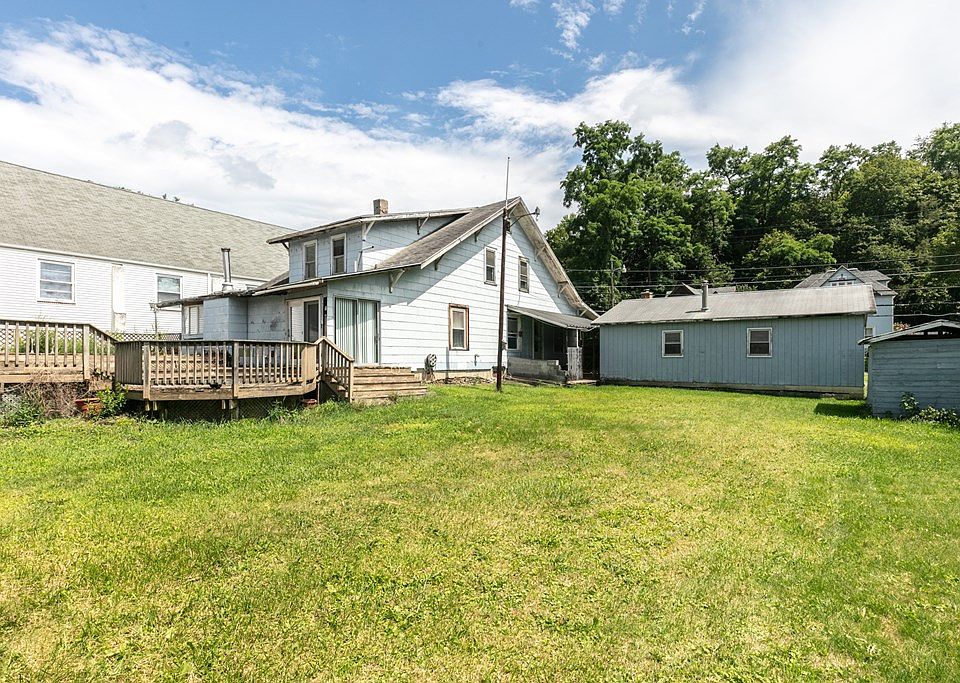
[385, 379]
[386, 388]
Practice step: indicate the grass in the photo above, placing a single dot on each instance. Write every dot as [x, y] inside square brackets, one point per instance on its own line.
[556, 534]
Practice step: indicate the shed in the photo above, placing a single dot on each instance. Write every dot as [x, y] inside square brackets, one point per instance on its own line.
[784, 340]
[923, 360]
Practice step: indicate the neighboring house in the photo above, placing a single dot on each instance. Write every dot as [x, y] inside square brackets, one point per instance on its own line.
[802, 340]
[75, 251]
[879, 323]
[394, 288]
[923, 361]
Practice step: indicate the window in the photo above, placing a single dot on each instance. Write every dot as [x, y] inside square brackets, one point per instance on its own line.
[490, 267]
[672, 344]
[193, 319]
[168, 288]
[309, 260]
[513, 333]
[459, 328]
[760, 342]
[523, 275]
[56, 281]
[338, 255]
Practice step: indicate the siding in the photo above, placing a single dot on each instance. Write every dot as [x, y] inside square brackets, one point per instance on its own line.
[882, 322]
[816, 353]
[927, 368]
[414, 316]
[93, 291]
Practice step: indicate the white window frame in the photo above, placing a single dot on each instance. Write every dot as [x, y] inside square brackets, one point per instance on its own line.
[187, 311]
[466, 327]
[769, 331]
[663, 344]
[523, 278]
[486, 266]
[333, 259]
[311, 243]
[178, 278]
[517, 338]
[73, 281]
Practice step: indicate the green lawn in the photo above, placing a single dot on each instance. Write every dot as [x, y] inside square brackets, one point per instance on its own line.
[556, 534]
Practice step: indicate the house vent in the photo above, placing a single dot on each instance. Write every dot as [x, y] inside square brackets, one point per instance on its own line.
[704, 295]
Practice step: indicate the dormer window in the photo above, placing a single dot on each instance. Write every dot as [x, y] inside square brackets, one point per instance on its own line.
[338, 255]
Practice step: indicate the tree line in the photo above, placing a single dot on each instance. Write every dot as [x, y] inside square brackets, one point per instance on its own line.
[644, 219]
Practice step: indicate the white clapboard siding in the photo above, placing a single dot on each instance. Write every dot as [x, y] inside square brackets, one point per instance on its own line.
[414, 317]
[95, 285]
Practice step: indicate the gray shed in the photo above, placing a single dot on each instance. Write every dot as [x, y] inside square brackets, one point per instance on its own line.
[923, 360]
[790, 340]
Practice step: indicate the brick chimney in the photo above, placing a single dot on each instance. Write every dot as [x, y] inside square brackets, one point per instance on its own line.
[646, 294]
[380, 207]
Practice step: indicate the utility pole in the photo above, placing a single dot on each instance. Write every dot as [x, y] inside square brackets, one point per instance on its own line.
[503, 278]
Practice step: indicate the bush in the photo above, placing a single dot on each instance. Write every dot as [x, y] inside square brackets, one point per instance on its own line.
[23, 410]
[112, 402]
[280, 413]
[913, 412]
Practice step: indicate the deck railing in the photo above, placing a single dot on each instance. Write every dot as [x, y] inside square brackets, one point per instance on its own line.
[47, 349]
[336, 365]
[229, 366]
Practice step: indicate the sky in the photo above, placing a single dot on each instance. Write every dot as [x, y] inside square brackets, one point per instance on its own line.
[302, 113]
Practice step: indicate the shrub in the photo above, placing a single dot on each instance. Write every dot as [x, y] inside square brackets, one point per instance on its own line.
[280, 413]
[112, 401]
[23, 410]
[913, 412]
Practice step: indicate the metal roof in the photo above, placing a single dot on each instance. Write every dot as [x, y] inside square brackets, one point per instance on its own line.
[930, 330]
[553, 318]
[683, 289]
[370, 218]
[771, 303]
[874, 278]
[52, 212]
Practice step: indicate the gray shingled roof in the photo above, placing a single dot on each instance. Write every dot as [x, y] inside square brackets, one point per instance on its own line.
[874, 278]
[553, 318]
[53, 212]
[427, 248]
[683, 289]
[935, 329]
[771, 303]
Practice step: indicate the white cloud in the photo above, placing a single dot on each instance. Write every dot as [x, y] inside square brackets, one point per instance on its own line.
[573, 16]
[596, 62]
[827, 72]
[524, 4]
[116, 109]
[698, 7]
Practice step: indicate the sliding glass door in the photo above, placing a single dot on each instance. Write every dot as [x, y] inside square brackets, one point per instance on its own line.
[358, 329]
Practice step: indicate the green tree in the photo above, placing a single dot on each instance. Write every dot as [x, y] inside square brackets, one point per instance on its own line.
[780, 255]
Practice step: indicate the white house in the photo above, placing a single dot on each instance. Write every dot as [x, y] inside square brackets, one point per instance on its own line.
[879, 323]
[395, 289]
[76, 251]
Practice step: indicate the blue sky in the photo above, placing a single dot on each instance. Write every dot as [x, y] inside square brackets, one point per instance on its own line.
[299, 113]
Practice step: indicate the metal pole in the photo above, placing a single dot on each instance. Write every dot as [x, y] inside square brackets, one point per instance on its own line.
[611, 282]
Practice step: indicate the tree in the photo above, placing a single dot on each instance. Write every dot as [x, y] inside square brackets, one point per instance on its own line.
[781, 256]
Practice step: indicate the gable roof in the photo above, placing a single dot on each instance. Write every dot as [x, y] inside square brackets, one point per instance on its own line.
[874, 278]
[55, 213]
[936, 329]
[770, 303]
[368, 218]
[430, 247]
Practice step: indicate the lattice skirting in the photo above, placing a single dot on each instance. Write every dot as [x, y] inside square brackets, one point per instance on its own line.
[214, 411]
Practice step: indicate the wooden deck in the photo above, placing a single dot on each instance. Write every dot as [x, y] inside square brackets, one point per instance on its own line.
[44, 351]
[158, 371]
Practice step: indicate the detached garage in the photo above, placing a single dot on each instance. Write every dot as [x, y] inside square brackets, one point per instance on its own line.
[922, 360]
